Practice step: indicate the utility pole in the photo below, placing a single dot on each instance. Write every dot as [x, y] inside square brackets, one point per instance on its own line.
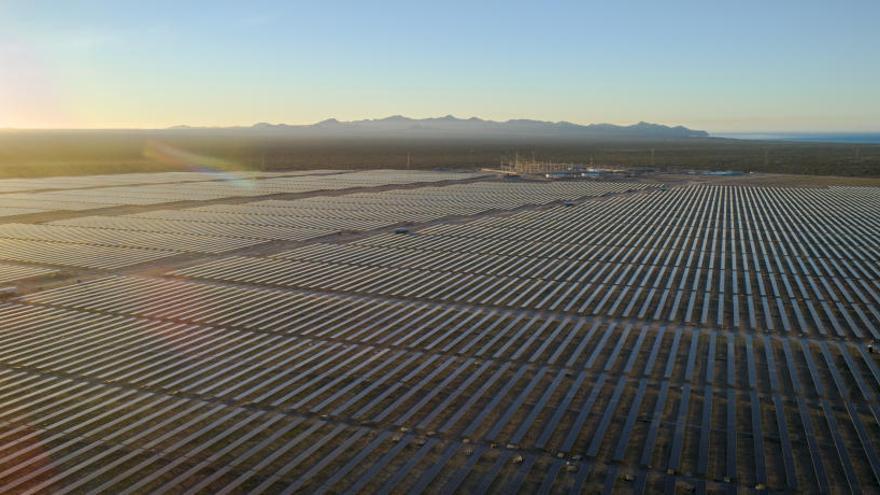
[408, 161]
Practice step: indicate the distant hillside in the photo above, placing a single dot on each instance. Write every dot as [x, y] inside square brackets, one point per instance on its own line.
[452, 127]
[399, 142]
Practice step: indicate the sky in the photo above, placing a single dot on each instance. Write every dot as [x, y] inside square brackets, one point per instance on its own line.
[722, 66]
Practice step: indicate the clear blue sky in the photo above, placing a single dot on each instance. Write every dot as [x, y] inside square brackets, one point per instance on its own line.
[772, 65]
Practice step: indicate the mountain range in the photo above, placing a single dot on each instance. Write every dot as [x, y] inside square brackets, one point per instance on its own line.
[398, 126]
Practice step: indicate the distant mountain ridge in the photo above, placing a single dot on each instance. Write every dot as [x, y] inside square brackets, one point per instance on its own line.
[454, 127]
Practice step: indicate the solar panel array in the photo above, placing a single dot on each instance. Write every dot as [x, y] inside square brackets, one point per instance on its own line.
[89, 181]
[701, 338]
[78, 193]
[303, 219]
[25, 196]
[134, 239]
[11, 272]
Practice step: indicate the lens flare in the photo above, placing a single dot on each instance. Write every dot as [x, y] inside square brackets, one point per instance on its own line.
[216, 168]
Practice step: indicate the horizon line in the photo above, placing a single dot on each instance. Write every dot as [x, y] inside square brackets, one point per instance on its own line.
[184, 126]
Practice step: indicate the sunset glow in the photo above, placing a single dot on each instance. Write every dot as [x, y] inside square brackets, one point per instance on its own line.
[808, 66]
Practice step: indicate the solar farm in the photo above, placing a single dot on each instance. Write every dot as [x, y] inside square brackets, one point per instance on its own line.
[398, 331]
